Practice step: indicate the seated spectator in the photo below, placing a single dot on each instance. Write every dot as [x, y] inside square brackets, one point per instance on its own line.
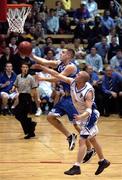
[39, 18]
[102, 49]
[111, 34]
[52, 22]
[82, 31]
[6, 57]
[35, 49]
[81, 13]
[39, 33]
[31, 34]
[2, 47]
[60, 49]
[113, 9]
[96, 83]
[96, 32]
[111, 90]
[94, 78]
[50, 55]
[44, 12]
[59, 9]
[92, 7]
[45, 90]
[18, 59]
[65, 24]
[48, 45]
[116, 61]
[119, 32]
[95, 60]
[13, 45]
[7, 80]
[79, 51]
[107, 22]
[113, 47]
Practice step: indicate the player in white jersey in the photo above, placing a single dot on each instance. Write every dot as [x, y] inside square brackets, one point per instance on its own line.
[83, 99]
[66, 67]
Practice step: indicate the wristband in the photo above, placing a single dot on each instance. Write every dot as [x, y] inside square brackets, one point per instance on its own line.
[89, 110]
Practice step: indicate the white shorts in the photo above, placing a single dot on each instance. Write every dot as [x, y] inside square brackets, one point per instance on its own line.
[10, 96]
[88, 133]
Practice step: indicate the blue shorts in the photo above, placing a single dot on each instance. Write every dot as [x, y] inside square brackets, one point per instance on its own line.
[90, 129]
[64, 106]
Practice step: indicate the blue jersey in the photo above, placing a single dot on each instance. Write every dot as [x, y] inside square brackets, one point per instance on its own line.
[60, 68]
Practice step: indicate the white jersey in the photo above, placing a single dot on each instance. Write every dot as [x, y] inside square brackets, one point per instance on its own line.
[88, 125]
[78, 96]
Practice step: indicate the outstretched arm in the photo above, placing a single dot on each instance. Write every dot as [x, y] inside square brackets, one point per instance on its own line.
[56, 74]
[44, 62]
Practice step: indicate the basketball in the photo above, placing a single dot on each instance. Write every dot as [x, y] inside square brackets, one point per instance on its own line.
[25, 48]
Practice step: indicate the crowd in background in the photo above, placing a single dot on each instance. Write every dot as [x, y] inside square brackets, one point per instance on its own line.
[97, 45]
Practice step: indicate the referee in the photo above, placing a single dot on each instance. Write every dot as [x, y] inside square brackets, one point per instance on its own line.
[25, 85]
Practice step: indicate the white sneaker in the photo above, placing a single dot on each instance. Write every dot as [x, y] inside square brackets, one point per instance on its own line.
[38, 112]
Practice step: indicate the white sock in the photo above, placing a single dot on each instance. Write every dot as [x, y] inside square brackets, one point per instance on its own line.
[38, 108]
[77, 164]
[89, 150]
[102, 160]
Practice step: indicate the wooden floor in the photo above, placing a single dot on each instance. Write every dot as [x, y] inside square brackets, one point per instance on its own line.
[46, 156]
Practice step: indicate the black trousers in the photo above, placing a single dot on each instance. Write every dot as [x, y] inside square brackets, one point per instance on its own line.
[112, 105]
[21, 112]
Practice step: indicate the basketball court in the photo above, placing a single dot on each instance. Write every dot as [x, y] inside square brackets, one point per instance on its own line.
[47, 156]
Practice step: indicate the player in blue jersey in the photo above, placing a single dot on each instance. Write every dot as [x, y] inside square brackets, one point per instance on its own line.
[65, 105]
[82, 94]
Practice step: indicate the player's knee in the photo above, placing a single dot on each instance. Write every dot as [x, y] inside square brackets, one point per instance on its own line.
[93, 140]
[82, 142]
[50, 118]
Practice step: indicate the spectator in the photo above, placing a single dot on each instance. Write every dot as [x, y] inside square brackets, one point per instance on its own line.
[35, 49]
[45, 90]
[113, 47]
[81, 13]
[119, 32]
[79, 51]
[13, 45]
[111, 89]
[96, 83]
[44, 12]
[2, 47]
[50, 55]
[65, 24]
[52, 22]
[95, 60]
[116, 61]
[60, 49]
[39, 33]
[82, 31]
[107, 22]
[59, 9]
[49, 45]
[18, 59]
[113, 9]
[6, 57]
[92, 7]
[112, 34]
[7, 79]
[102, 49]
